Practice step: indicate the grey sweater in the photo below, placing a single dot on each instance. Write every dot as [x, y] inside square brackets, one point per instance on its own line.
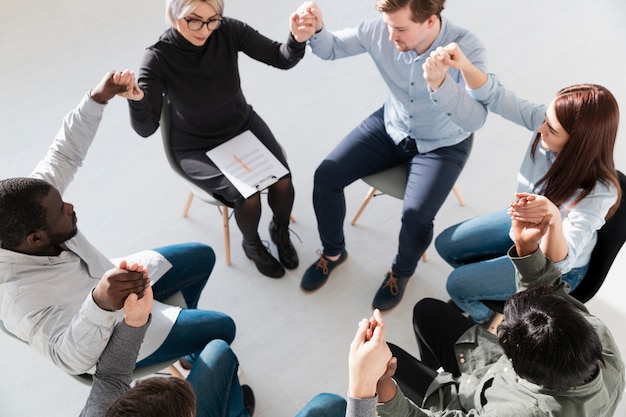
[114, 370]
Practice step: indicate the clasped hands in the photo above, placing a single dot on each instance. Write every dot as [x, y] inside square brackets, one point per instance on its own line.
[370, 362]
[306, 21]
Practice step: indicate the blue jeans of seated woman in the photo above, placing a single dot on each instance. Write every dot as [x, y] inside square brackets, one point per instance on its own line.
[477, 249]
[218, 392]
[369, 149]
[192, 264]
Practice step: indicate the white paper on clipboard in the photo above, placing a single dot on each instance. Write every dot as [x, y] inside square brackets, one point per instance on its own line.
[247, 163]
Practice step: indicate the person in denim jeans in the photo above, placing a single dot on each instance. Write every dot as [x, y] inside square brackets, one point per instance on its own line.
[568, 172]
[425, 124]
[61, 294]
[211, 389]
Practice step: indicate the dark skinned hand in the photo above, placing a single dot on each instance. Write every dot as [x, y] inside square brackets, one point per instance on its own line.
[117, 283]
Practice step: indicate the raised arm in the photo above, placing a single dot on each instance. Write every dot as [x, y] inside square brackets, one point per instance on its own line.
[70, 146]
[115, 367]
[532, 267]
[452, 56]
[448, 88]
[532, 208]
[369, 356]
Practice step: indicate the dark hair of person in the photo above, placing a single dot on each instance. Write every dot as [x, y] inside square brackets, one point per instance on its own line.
[589, 113]
[156, 397]
[421, 10]
[548, 340]
[21, 211]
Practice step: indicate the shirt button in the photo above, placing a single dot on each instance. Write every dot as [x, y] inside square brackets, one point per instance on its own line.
[462, 361]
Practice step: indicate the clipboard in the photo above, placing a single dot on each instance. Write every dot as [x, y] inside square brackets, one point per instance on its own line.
[247, 163]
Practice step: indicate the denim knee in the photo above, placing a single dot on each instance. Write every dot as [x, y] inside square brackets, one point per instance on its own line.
[453, 285]
[202, 253]
[324, 405]
[219, 351]
[327, 175]
[442, 245]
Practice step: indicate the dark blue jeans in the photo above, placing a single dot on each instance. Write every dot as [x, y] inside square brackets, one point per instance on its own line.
[369, 149]
[192, 264]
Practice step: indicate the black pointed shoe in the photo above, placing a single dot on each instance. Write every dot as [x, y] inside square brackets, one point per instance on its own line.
[263, 259]
[390, 292]
[286, 252]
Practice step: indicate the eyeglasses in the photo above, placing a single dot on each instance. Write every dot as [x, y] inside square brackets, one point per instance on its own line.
[196, 24]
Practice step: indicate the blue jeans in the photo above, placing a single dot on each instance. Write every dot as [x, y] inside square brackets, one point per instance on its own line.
[369, 149]
[192, 264]
[218, 392]
[477, 250]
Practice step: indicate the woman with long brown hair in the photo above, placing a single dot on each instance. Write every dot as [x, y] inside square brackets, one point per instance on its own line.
[568, 172]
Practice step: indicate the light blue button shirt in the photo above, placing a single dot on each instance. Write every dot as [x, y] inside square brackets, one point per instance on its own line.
[434, 119]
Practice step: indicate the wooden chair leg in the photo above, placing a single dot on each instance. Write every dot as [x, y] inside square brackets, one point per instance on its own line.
[366, 200]
[457, 194]
[175, 372]
[188, 204]
[226, 234]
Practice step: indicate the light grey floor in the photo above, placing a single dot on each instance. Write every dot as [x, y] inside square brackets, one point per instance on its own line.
[291, 345]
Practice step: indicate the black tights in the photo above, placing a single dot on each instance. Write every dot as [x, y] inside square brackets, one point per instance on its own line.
[437, 327]
[280, 199]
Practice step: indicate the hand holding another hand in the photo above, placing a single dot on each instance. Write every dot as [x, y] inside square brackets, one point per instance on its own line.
[369, 357]
[137, 309]
[306, 21]
[116, 83]
[118, 283]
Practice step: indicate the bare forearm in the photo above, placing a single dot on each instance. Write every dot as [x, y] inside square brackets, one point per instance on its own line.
[553, 244]
[474, 77]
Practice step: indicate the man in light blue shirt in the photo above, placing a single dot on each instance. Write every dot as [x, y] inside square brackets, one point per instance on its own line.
[425, 124]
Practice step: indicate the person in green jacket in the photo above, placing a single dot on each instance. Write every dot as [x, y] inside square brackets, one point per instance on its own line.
[548, 357]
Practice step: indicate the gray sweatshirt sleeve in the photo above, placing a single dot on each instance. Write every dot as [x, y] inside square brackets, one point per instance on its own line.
[114, 370]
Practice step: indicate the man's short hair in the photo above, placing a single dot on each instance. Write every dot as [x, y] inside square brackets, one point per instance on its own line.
[21, 211]
[421, 10]
[156, 397]
[548, 340]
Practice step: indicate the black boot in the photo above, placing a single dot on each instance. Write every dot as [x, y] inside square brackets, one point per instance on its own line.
[263, 259]
[286, 252]
[248, 399]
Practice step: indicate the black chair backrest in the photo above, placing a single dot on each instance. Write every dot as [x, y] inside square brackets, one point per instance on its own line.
[611, 238]
[167, 141]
